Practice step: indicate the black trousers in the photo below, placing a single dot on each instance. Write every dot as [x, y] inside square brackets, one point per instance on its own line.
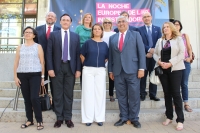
[30, 87]
[63, 85]
[150, 63]
[111, 86]
[171, 82]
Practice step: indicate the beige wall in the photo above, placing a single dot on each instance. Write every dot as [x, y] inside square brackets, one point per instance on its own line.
[43, 8]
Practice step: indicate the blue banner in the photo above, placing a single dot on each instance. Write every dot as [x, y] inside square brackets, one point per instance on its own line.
[107, 8]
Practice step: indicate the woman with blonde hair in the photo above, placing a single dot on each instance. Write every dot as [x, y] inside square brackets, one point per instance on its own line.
[107, 26]
[169, 55]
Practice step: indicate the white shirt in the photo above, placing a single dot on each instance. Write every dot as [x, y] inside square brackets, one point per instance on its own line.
[120, 37]
[52, 26]
[63, 37]
[106, 36]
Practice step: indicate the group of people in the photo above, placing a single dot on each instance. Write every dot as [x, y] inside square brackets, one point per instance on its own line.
[129, 53]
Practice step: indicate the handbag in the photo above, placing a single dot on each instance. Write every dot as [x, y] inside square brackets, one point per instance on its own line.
[154, 79]
[158, 70]
[45, 99]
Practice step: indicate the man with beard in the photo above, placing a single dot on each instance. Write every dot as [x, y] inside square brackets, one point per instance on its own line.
[43, 33]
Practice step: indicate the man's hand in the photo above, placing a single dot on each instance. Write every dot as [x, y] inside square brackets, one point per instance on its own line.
[111, 76]
[140, 73]
[77, 74]
[149, 55]
[51, 73]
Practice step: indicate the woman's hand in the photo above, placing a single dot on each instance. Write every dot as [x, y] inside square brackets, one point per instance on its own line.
[17, 82]
[188, 59]
[42, 82]
[166, 65]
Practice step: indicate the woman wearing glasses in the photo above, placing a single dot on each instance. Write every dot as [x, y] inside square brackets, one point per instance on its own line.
[169, 54]
[107, 26]
[188, 58]
[29, 75]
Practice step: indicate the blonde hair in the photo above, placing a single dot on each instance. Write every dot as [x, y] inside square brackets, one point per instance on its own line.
[85, 17]
[175, 33]
[109, 21]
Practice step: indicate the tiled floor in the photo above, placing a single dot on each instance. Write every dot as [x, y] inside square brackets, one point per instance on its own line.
[147, 127]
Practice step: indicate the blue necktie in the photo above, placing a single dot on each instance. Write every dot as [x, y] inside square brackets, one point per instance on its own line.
[65, 49]
[149, 37]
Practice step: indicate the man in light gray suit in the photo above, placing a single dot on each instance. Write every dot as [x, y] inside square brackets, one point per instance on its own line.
[126, 66]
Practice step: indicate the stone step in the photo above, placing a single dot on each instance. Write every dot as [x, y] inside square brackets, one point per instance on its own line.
[11, 85]
[147, 104]
[146, 115]
[193, 93]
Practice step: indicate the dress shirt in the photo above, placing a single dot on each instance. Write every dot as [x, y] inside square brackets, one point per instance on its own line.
[52, 26]
[63, 37]
[150, 28]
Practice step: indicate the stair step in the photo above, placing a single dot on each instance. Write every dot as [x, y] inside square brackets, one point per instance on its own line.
[146, 115]
[193, 102]
[193, 93]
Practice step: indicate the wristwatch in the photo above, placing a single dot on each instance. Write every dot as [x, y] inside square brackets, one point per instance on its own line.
[42, 76]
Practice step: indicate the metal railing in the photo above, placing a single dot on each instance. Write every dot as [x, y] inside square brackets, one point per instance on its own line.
[9, 48]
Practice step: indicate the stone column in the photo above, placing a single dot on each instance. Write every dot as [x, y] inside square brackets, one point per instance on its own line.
[43, 8]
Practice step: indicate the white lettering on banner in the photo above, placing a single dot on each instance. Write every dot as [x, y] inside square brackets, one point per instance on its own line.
[118, 6]
[108, 12]
[100, 6]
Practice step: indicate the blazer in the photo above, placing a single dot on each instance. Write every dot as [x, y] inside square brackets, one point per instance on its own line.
[131, 59]
[54, 52]
[177, 53]
[41, 36]
[156, 34]
[130, 28]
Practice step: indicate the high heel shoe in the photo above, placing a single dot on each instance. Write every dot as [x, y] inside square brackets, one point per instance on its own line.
[179, 126]
[167, 122]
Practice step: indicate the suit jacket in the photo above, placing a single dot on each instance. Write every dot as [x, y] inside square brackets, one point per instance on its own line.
[130, 28]
[156, 34]
[54, 52]
[177, 53]
[131, 59]
[41, 36]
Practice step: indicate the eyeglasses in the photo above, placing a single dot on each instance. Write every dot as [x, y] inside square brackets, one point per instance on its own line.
[107, 22]
[28, 32]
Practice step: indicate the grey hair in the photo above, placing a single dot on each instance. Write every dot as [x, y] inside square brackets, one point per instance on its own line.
[51, 12]
[126, 19]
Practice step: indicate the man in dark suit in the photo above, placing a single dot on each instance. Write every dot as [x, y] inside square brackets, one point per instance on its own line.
[43, 33]
[150, 34]
[125, 14]
[63, 65]
[126, 67]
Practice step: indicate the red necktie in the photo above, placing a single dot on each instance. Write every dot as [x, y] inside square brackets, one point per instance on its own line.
[48, 32]
[121, 42]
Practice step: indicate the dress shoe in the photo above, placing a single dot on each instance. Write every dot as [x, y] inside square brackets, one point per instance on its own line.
[154, 98]
[88, 124]
[69, 123]
[142, 97]
[120, 123]
[100, 123]
[58, 123]
[136, 124]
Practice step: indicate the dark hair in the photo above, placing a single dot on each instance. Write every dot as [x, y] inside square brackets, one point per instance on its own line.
[123, 12]
[34, 31]
[181, 27]
[97, 24]
[65, 14]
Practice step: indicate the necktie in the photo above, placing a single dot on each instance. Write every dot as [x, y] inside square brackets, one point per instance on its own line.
[149, 37]
[121, 42]
[65, 49]
[48, 32]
